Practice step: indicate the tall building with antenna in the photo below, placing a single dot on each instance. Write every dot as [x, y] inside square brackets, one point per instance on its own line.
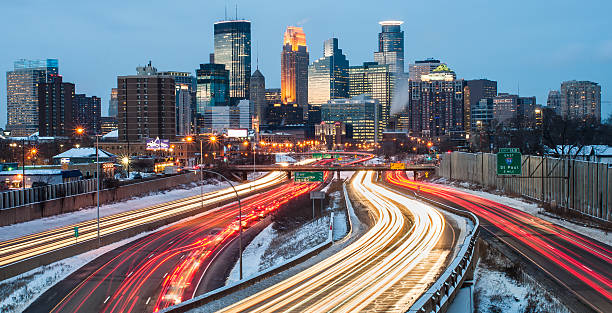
[328, 77]
[233, 49]
[391, 46]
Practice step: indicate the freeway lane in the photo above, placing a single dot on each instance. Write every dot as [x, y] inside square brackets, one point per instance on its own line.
[25, 247]
[384, 270]
[160, 269]
[581, 266]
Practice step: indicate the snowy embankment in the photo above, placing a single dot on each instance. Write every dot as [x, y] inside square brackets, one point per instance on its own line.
[52, 222]
[531, 208]
[271, 248]
[501, 286]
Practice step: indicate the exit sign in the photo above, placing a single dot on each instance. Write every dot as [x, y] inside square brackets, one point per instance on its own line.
[509, 161]
[308, 177]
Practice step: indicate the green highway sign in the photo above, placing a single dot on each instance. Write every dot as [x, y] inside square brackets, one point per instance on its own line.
[76, 231]
[317, 155]
[327, 156]
[509, 161]
[336, 156]
[307, 177]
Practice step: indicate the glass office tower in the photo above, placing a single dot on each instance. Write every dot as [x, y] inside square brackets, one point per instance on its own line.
[294, 72]
[391, 46]
[233, 49]
[22, 93]
[324, 83]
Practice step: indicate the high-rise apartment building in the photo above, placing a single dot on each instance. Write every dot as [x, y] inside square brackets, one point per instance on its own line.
[391, 46]
[328, 76]
[212, 91]
[581, 100]
[55, 108]
[258, 96]
[233, 49]
[294, 72]
[86, 113]
[113, 103]
[377, 81]
[22, 93]
[146, 106]
[526, 108]
[482, 114]
[436, 104]
[360, 113]
[474, 91]
[554, 101]
[505, 107]
[185, 94]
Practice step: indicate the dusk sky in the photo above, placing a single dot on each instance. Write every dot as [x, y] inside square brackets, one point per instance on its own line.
[532, 44]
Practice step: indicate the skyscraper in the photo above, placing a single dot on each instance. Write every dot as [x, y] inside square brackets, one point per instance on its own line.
[113, 103]
[22, 93]
[185, 93]
[328, 76]
[474, 91]
[391, 46]
[258, 96]
[86, 112]
[146, 106]
[505, 107]
[362, 113]
[422, 67]
[581, 99]
[233, 49]
[376, 80]
[554, 101]
[436, 104]
[212, 91]
[55, 107]
[294, 72]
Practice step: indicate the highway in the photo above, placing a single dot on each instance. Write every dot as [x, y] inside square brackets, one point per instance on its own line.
[163, 268]
[25, 247]
[376, 272]
[581, 266]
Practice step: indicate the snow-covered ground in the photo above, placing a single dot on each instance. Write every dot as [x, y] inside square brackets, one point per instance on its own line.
[52, 222]
[496, 291]
[270, 248]
[16, 293]
[533, 209]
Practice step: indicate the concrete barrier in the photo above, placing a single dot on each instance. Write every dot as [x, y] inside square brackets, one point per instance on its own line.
[76, 202]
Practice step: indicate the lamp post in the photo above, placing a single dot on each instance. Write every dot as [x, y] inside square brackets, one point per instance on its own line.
[202, 170]
[81, 131]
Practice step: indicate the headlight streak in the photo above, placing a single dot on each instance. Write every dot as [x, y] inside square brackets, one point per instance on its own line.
[354, 277]
[517, 224]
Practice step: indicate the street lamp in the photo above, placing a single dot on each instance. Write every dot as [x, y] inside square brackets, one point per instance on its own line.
[81, 131]
[202, 170]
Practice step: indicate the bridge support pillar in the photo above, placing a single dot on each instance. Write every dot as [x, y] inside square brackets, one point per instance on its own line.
[338, 175]
[245, 177]
[288, 174]
[414, 175]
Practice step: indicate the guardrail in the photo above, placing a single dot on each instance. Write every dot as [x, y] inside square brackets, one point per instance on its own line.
[440, 295]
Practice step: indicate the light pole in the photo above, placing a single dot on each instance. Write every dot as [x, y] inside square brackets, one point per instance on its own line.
[202, 170]
[81, 131]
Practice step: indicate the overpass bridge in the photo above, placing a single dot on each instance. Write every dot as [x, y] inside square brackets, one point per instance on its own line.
[333, 168]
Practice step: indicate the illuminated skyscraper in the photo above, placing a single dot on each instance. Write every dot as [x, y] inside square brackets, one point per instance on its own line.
[233, 49]
[22, 93]
[436, 104]
[391, 46]
[212, 91]
[185, 92]
[113, 103]
[294, 72]
[422, 67]
[581, 99]
[55, 108]
[328, 76]
[376, 80]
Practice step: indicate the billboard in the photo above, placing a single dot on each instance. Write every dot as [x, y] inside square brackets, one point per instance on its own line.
[158, 144]
[237, 133]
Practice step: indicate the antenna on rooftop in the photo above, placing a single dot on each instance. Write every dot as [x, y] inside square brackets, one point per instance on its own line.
[236, 11]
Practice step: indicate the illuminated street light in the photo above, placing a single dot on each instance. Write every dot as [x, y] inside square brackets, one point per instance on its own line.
[80, 130]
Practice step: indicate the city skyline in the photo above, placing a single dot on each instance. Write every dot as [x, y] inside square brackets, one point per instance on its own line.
[549, 61]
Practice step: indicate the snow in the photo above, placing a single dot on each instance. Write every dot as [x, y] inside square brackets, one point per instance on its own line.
[340, 228]
[282, 158]
[534, 209]
[113, 134]
[85, 152]
[496, 292]
[346, 175]
[57, 221]
[271, 249]
[252, 255]
[253, 176]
